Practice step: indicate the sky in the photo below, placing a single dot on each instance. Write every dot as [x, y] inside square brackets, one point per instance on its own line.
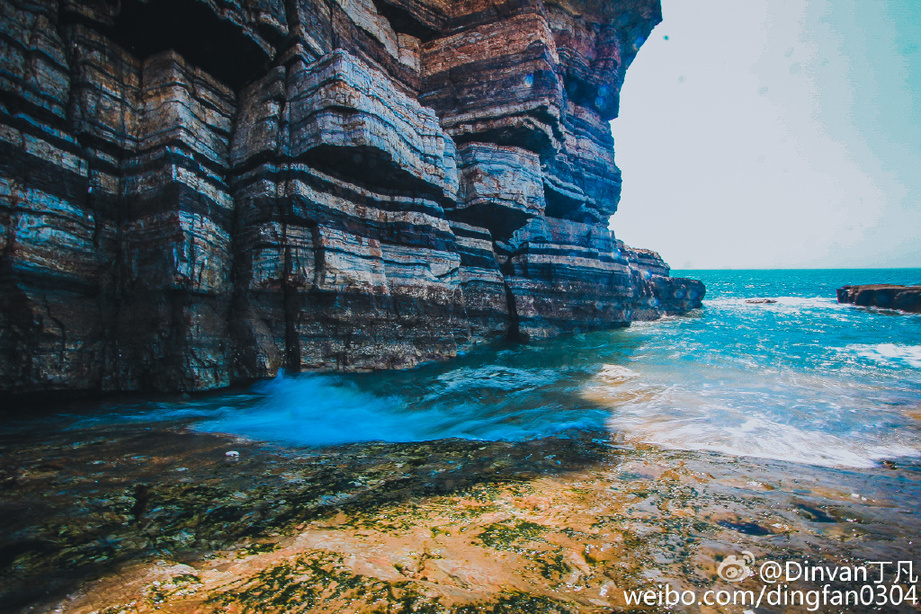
[775, 134]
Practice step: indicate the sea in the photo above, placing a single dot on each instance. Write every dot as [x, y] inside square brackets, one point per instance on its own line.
[772, 423]
[801, 378]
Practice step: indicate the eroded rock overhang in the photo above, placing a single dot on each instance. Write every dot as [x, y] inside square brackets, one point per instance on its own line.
[198, 192]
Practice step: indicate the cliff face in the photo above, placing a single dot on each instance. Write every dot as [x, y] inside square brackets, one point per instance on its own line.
[194, 192]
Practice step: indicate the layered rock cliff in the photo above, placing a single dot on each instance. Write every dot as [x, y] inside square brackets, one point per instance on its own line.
[196, 192]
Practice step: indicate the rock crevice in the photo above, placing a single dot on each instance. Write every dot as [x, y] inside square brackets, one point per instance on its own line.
[194, 193]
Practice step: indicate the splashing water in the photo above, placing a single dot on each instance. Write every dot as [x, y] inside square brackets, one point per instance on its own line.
[463, 403]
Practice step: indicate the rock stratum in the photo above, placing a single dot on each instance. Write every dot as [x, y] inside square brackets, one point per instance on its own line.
[198, 192]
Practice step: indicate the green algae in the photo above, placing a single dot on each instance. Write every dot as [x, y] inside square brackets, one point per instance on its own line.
[516, 603]
[511, 535]
[291, 586]
[256, 548]
[320, 578]
[553, 566]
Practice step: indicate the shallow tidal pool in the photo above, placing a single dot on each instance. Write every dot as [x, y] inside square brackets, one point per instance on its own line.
[144, 519]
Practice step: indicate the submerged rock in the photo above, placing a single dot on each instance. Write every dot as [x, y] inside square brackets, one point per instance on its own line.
[452, 526]
[309, 186]
[886, 296]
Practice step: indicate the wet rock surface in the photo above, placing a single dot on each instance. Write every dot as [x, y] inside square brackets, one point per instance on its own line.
[884, 296]
[311, 186]
[147, 518]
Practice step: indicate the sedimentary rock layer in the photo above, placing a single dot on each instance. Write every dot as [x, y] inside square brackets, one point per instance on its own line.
[194, 193]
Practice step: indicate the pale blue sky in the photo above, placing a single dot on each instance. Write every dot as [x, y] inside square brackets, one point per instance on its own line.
[775, 134]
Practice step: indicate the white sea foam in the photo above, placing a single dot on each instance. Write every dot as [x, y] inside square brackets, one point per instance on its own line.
[494, 376]
[889, 354]
[616, 373]
[782, 416]
[759, 438]
[781, 302]
[808, 302]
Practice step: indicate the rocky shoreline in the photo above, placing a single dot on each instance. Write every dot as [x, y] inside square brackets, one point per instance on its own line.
[312, 186]
[884, 296]
[141, 518]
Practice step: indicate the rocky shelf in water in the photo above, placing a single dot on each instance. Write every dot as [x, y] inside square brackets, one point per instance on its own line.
[886, 296]
[144, 518]
[310, 186]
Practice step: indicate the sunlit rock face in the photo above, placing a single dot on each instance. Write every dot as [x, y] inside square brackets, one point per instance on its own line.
[194, 193]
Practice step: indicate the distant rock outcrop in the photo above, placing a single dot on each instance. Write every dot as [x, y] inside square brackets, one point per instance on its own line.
[198, 192]
[887, 296]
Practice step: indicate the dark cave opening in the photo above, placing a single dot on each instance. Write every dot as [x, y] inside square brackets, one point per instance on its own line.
[217, 46]
[405, 22]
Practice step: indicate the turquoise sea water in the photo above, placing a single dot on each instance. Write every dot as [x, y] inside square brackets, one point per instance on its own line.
[803, 379]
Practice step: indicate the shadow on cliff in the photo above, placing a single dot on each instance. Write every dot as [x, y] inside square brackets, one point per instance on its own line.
[79, 504]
